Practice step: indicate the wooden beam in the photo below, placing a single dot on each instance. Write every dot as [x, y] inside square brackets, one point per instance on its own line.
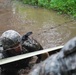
[24, 56]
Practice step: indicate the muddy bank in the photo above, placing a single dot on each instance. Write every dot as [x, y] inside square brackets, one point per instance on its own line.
[49, 28]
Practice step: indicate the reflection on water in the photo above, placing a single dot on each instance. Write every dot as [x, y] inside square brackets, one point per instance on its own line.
[49, 28]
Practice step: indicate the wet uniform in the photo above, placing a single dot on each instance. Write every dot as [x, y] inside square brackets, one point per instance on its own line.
[62, 63]
[30, 45]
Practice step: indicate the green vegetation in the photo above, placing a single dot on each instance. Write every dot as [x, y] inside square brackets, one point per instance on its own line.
[63, 6]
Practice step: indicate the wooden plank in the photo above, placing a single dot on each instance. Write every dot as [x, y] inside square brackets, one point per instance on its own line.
[23, 56]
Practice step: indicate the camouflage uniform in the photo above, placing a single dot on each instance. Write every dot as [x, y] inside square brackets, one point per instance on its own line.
[28, 45]
[62, 63]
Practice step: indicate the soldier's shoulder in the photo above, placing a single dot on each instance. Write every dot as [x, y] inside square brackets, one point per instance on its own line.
[52, 61]
[51, 65]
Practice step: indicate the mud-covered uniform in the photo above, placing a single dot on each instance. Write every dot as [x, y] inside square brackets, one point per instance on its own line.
[62, 63]
[28, 45]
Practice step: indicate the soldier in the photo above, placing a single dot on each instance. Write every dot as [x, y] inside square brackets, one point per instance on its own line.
[62, 63]
[15, 44]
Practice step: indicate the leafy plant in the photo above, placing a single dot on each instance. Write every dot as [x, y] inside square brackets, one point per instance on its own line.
[64, 6]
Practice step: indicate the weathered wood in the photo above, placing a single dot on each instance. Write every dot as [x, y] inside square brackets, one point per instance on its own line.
[24, 56]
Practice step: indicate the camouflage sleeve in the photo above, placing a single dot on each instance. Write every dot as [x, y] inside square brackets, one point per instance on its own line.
[32, 45]
[50, 66]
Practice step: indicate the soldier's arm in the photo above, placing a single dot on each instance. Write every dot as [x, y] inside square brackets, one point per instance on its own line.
[50, 66]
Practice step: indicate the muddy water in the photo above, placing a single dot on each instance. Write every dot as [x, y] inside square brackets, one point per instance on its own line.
[49, 28]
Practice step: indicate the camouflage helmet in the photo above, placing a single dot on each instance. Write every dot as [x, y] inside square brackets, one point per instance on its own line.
[10, 38]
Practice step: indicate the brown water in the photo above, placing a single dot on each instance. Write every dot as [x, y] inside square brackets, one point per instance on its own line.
[49, 28]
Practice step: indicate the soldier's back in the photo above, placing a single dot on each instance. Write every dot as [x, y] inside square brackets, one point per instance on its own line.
[62, 63]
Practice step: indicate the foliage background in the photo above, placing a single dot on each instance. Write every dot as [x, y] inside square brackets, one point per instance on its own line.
[62, 6]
